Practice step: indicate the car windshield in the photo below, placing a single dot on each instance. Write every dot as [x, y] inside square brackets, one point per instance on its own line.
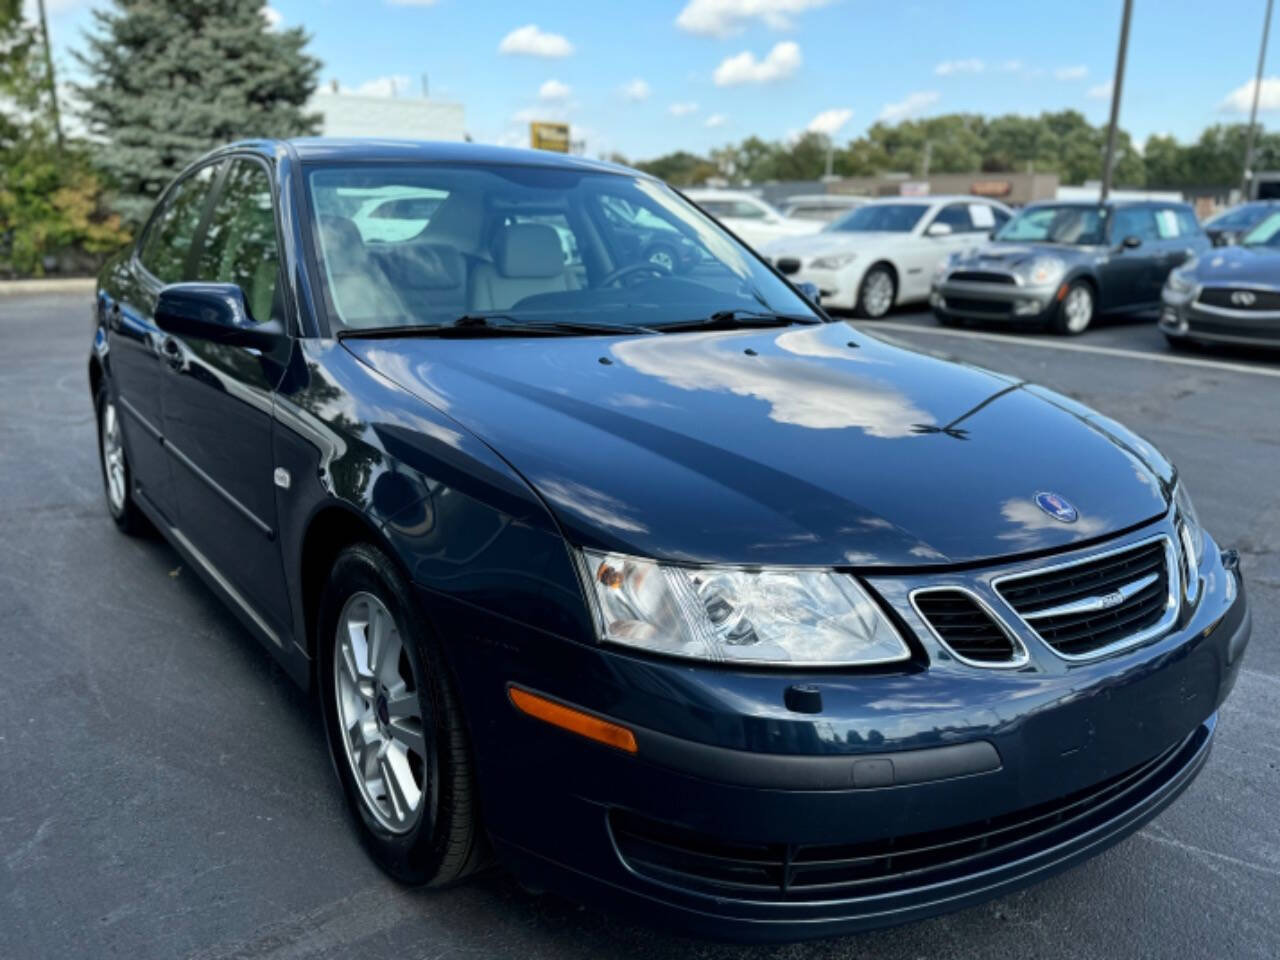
[538, 245]
[1057, 224]
[1265, 234]
[879, 217]
[1238, 218]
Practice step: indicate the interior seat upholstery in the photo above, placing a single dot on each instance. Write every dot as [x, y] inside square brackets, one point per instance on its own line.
[527, 260]
[360, 288]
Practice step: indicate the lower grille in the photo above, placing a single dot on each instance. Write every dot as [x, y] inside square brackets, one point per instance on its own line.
[981, 276]
[788, 265]
[1227, 298]
[791, 872]
[1094, 604]
[967, 629]
[971, 305]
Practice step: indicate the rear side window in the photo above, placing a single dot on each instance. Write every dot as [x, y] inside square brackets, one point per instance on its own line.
[240, 241]
[169, 238]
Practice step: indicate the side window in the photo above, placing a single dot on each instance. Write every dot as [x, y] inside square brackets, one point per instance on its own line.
[983, 217]
[168, 241]
[240, 241]
[1001, 216]
[1134, 222]
[1167, 226]
[955, 216]
[746, 211]
[1188, 225]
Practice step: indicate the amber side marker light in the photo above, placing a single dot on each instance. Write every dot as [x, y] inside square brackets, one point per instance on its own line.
[575, 721]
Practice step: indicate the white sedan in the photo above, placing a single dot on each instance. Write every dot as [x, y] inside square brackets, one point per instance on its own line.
[754, 220]
[885, 252]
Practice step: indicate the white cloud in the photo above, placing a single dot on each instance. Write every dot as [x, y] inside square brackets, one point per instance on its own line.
[948, 67]
[780, 62]
[720, 18]
[717, 120]
[682, 109]
[828, 122]
[1099, 91]
[1240, 100]
[273, 17]
[909, 106]
[636, 90]
[533, 42]
[554, 90]
[391, 85]
[1011, 66]
[1078, 72]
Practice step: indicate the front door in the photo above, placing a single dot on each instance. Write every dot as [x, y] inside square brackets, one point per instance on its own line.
[1131, 273]
[218, 412]
[136, 351]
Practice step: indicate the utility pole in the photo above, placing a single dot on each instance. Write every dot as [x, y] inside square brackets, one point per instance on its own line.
[53, 86]
[1253, 113]
[1117, 84]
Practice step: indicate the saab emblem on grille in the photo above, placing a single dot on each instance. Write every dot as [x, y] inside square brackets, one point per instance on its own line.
[1056, 506]
[1112, 599]
[1243, 298]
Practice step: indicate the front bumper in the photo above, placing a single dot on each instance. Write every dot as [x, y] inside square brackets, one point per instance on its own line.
[1188, 319]
[839, 288]
[1007, 302]
[702, 831]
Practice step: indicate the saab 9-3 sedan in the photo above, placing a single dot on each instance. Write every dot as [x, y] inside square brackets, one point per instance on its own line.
[645, 579]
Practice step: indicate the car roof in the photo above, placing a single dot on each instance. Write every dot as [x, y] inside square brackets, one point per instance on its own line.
[929, 199]
[335, 149]
[1109, 203]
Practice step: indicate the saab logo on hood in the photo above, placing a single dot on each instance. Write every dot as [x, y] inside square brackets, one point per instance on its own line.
[1056, 506]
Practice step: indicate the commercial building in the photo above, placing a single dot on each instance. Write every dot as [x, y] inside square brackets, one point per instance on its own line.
[403, 117]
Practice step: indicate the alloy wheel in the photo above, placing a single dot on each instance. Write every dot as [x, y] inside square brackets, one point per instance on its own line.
[380, 714]
[113, 458]
[1078, 309]
[877, 294]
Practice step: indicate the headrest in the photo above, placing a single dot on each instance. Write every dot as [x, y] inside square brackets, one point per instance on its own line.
[458, 222]
[342, 245]
[428, 266]
[529, 250]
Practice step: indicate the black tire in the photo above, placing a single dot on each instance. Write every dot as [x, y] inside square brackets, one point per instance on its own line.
[1062, 322]
[122, 510]
[446, 842]
[947, 320]
[1182, 343]
[872, 276]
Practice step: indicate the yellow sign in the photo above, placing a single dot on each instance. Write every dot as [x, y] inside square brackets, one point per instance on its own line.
[549, 136]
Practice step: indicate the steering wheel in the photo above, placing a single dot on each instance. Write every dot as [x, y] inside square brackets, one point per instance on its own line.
[644, 266]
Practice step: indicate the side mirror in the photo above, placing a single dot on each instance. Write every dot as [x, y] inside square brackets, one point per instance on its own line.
[213, 311]
[1132, 242]
[938, 230]
[810, 292]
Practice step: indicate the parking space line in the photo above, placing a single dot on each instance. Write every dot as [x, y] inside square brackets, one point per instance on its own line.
[1073, 347]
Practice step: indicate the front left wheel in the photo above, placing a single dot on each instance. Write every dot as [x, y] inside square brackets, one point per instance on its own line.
[876, 293]
[395, 732]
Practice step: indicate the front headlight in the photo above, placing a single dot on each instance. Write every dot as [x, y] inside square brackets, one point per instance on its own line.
[835, 261]
[1190, 537]
[1043, 271]
[794, 617]
[1181, 281]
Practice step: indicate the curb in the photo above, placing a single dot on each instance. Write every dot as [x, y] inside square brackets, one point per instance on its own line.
[48, 285]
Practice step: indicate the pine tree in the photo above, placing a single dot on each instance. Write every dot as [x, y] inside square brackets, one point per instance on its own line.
[173, 78]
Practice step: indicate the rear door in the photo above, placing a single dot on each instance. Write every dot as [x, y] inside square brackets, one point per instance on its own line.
[218, 413]
[136, 346]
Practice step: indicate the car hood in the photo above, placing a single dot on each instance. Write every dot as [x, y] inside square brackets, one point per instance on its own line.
[1253, 266]
[1006, 256]
[835, 241]
[801, 445]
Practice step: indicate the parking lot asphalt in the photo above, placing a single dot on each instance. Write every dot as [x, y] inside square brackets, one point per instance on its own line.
[165, 791]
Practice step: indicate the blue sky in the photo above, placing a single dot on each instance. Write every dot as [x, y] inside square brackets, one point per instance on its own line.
[644, 78]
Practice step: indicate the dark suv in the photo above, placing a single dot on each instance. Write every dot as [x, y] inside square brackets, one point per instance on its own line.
[1061, 264]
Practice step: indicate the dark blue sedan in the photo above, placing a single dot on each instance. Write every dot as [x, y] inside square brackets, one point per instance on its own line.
[643, 577]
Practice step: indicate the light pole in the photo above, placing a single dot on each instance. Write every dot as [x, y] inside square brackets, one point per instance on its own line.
[48, 64]
[1253, 113]
[1117, 84]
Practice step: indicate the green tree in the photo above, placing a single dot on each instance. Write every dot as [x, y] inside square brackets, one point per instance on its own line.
[170, 79]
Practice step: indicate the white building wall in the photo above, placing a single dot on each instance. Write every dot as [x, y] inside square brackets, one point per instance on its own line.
[397, 118]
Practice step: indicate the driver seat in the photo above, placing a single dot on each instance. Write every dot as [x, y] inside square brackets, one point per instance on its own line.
[527, 260]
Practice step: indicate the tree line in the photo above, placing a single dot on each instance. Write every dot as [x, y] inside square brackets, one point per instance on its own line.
[1062, 142]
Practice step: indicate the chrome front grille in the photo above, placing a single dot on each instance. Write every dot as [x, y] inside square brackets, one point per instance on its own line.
[1101, 603]
[968, 628]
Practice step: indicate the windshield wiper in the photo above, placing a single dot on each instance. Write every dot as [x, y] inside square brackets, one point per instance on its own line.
[737, 319]
[495, 325]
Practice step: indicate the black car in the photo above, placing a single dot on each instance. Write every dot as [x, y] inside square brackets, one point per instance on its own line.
[1229, 296]
[663, 589]
[1229, 226]
[1061, 264]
